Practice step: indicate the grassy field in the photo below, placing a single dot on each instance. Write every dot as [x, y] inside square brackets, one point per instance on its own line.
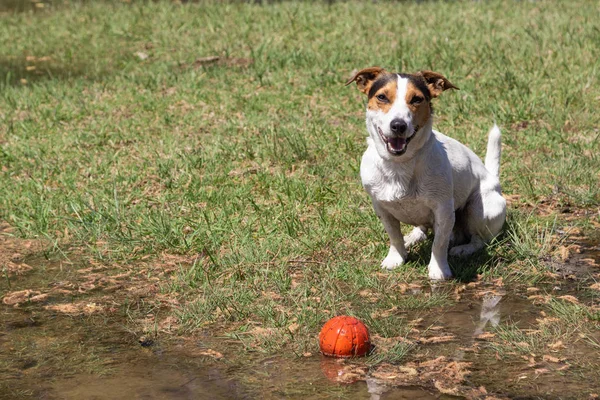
[124, 139]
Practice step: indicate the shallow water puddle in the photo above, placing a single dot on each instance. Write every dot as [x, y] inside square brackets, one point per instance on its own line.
[147, 381]
[58, 357]
[65, 334]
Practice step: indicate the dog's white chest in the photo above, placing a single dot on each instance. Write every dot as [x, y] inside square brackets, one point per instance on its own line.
[410, 211]
[395, 191]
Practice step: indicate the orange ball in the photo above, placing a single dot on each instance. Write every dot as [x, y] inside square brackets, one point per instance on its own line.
[344, 336]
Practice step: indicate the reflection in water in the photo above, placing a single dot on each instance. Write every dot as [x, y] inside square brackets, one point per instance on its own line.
[375, 389]
[379, 391]
[490, 312]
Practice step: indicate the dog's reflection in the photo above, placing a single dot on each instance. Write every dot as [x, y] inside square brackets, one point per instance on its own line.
[490, 313]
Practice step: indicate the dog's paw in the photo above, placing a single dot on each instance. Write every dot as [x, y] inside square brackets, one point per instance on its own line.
[392, 261]
[415, 236]
[439, 272]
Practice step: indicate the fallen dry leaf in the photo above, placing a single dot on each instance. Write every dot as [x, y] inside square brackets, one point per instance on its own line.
[436, 328]
[293, 328]
[340, 372]
[485, 336]
[437, 339]
[556, 345]
[447, 376]
[208, 353]
[75, 308]
[384, 313]
[401, 287]
[408, 370]
[564, 253]
[460, 289]
[538, 298]
[16, 269]
[530, 361]
[531, 332]
[550, 358]
[39, 297]
[452, 391]
[590, 261]
[569, 298]
[551, 275]
[18, 297]
[546, 321]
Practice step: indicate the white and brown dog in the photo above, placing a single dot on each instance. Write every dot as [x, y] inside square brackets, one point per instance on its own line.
[418, 176]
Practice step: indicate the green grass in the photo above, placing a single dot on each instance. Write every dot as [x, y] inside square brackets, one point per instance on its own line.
[251, 168]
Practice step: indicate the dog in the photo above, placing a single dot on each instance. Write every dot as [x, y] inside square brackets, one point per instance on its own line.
[416, 175]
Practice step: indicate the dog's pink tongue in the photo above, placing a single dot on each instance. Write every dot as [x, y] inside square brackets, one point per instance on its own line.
[397, 143]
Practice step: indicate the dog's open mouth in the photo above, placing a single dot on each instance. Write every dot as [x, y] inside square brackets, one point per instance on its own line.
[396, 145]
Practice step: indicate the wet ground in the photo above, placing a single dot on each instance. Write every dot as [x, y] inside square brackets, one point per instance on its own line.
[50, 356]
[70, 330]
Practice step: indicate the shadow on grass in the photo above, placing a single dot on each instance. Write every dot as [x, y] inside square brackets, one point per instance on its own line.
[8, 6]
[21, 71]
[464, 269]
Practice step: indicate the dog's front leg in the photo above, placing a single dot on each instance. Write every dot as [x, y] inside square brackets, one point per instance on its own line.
[444, 222]
[397, 253]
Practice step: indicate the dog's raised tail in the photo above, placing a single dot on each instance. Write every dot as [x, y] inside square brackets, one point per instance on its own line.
[494, 149]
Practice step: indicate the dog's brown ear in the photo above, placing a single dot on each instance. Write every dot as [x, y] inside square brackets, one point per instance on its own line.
[365, 77]
[436, 83]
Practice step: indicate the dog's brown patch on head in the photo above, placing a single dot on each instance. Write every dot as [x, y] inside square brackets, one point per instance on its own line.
[418, 101]
[437, 83]
[383, 93]
[365, 77]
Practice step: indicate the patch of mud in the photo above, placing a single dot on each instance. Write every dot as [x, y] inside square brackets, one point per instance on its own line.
[578, 259]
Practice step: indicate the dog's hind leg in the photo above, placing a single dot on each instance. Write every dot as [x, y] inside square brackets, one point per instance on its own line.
[476, 244]
[418, 234]
[484, 216]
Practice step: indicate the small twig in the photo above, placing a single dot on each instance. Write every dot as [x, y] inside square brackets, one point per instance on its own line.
[306, 262]
[190, 381]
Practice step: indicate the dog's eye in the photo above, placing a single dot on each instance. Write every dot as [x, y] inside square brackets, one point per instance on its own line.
[382, 97]
[416, 100]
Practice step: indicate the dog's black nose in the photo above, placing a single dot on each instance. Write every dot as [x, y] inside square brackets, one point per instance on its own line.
[398, 126]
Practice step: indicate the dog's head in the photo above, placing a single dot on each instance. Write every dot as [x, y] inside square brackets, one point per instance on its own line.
[398, 106]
